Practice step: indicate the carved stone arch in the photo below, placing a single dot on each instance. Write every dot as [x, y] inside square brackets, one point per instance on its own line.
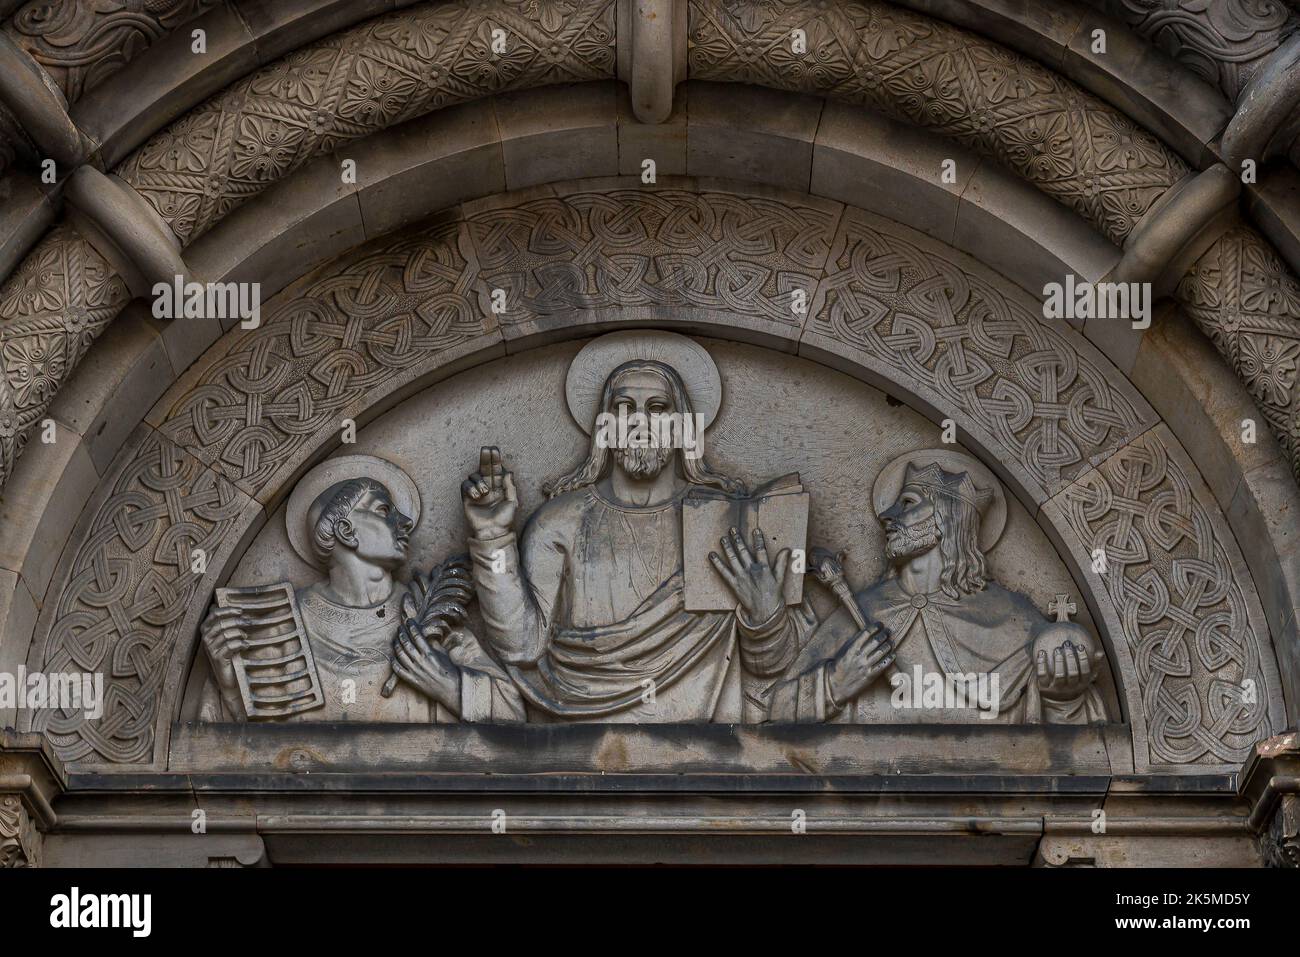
[1072, 438]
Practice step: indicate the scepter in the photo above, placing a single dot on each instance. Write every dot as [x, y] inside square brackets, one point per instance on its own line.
[829, 569]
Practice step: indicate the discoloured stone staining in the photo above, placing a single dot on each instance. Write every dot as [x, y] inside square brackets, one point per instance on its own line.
[1181, 607]
[385, 71]
[1067, 143]
[128, 600]
[642, 247]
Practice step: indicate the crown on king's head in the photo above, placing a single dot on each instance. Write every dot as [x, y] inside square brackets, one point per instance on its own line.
[956, 485]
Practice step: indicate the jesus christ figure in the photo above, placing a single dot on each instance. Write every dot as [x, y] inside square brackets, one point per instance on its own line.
[587, 609]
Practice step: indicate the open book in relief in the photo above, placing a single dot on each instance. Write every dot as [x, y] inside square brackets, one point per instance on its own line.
[779, 508]
[276, 671]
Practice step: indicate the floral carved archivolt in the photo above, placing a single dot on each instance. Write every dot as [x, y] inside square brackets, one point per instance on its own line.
[1246, 300]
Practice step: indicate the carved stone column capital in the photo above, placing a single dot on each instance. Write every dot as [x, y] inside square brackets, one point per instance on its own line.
[1270, 780]
[31, 777]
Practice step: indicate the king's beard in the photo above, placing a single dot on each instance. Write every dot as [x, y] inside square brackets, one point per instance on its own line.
[908, 541]
[643, 462]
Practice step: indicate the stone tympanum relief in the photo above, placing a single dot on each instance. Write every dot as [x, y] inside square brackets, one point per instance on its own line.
[327, 651]
[605, 607]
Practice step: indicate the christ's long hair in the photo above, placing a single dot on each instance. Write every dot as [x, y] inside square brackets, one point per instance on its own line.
[964, 569]
[693, 470]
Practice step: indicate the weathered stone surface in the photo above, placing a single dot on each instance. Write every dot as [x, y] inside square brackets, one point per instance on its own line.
[1274, 206]
[340, 89]
[1142, 81]
[38, 106]
[119, 115]
[26, 212]
[1202, 401]
[1246, 300]
[1223, 42]
[296, 225]
[869, 161]
[51, 310]
[80, 45]
[665, 142]
[559, 133]
[428, 165]
[996, 214]
[40, 504]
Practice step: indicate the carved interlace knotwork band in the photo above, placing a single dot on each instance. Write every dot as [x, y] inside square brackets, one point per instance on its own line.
[127, 600]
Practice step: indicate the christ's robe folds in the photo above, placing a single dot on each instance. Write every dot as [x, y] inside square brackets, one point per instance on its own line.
[601, 598]
[351, 644]
[988, 632]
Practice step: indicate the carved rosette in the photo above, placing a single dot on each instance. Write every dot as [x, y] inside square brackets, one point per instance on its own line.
[265, 400]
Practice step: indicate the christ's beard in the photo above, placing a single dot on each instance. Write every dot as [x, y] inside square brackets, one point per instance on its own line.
[909, 541]
[643, 463]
